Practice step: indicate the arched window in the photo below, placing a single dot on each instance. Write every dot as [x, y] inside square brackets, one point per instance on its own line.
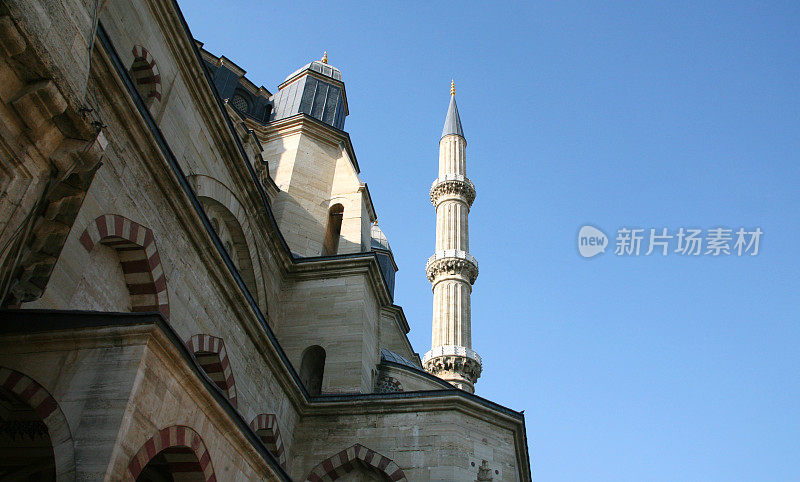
[233, 239]
[334, 230]
[239, 102]
[312, 368]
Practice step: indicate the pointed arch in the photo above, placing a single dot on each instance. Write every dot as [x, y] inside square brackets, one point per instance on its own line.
[213, 358]
[139, 257]
[145, 75]
[265, 426]
[174, 443]
[46, 407]
[339, 464]
[212, 192]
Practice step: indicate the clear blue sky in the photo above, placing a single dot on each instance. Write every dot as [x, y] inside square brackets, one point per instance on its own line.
[639, 114]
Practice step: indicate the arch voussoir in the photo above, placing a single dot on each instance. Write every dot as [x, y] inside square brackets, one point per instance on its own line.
[345, 461]
[139, 257]
[176, 436]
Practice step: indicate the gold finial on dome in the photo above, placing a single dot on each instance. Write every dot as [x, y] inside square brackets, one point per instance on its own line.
[325, 58]
[452, 87]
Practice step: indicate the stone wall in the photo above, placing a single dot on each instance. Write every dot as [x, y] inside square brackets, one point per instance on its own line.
[141, 240]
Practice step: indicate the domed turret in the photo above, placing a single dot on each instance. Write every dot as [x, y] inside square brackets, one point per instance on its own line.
[379, 240]
[318, 66]
[317, 90]
[380, 245]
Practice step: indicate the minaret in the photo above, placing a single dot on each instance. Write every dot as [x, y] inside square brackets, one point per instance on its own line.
[452, 270]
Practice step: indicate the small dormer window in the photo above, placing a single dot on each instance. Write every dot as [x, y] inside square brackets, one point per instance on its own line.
[239, 103]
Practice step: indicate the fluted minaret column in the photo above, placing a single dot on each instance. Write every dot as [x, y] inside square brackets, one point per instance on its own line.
[452, 270]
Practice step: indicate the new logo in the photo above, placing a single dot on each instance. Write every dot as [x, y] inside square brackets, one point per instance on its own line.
[591, 241]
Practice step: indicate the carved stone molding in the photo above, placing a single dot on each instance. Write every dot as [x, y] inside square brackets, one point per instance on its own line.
[453, 262]
[452, 185]
[58, 142]
[454, 367]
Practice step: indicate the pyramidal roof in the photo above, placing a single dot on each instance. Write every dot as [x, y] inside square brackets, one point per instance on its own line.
[452, 123]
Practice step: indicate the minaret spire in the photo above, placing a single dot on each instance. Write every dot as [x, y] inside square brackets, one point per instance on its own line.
[452, 270]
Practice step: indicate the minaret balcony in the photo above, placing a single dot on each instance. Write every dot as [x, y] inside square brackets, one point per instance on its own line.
[454, 363]
[452, 262]
[452, 186]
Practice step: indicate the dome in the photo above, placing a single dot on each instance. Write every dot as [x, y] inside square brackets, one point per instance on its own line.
[321, 67]
[320, 95]
[379, 240]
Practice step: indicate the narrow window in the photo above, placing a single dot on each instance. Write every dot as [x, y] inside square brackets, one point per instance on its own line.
[331, 246]
[312, 368]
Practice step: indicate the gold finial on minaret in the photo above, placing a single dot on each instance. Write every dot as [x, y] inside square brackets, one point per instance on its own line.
[452, 87]
[325, 57]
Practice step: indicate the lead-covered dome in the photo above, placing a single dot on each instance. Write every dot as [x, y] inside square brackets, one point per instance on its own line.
[316, 90]
[319, 67]
[379, 240]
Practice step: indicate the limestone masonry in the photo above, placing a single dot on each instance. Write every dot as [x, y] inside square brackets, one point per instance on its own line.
[194, 283]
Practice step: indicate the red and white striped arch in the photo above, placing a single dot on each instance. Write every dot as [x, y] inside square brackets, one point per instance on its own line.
[138, 255]
[345, 461]
[46, 407]
[145, 74]
[266, 427]
[184, 451]
[213, 358]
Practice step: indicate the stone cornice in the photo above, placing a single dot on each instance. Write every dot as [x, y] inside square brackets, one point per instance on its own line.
[319, 267]
[400, 316]
[304, 123]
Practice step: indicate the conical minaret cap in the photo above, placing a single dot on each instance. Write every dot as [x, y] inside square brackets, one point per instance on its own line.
[452, 123]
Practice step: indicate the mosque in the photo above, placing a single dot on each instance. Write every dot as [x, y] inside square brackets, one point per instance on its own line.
[194, 283]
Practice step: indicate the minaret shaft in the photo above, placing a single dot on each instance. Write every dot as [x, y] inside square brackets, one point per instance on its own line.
[451, 314]
[452, 225]
[452, 270]
[452, 156]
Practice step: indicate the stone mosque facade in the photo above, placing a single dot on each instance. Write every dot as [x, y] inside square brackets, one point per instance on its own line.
[194, 283]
